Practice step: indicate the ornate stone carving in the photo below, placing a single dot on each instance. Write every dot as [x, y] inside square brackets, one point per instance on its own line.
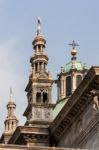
[96, 103]
[37, 113]
[47, 115]
[95, 94]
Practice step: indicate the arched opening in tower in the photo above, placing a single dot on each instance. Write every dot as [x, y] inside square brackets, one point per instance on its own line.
[38, 97]
[12, 125]
[78, 80]
[45, 97]
[36, 67]
[40, 66]
[68, 86]
[39, 48]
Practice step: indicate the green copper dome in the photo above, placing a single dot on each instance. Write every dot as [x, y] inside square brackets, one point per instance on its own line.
[59, 106]
[76, 65]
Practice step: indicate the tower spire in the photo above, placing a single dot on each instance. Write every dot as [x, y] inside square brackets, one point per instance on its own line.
[11, 95]
[39, 26]
[39, 42]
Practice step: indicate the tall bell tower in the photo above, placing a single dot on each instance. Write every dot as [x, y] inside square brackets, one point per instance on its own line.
[39, 108]
[39, 87]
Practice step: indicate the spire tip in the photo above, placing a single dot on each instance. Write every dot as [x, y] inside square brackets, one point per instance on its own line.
[10, 94]
[39, 25]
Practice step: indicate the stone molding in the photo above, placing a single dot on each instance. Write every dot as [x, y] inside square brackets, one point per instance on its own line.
[80, 99]
[27, 147]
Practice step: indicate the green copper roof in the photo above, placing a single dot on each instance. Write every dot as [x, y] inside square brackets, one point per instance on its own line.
[77, 65]
[58, 107]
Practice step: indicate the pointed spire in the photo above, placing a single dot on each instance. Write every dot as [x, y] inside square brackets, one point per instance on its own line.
[39, 26]
[39, 40]
[11, 96]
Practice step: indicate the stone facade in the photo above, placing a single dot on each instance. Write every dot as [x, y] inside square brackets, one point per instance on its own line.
[77, 123]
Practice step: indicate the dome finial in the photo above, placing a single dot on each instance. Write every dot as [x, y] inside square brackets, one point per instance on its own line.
[73, 51]
[39, 26]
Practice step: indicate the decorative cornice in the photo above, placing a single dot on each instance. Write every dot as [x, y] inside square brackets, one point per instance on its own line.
[72, 71]
[31, 80]
[79, 100]
[24, 132]
[38, 56]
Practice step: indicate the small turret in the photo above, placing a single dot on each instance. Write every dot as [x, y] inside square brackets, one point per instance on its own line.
[11, 121]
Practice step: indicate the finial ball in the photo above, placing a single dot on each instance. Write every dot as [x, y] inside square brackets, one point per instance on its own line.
[73, 52]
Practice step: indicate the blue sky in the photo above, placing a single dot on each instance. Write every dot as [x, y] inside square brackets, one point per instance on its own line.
[62, 22]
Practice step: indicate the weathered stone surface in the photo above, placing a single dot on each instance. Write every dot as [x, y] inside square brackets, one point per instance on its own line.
[77, 124]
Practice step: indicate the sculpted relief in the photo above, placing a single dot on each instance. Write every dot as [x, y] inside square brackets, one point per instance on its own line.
[95, 94]
[37, 113]
[42, 114]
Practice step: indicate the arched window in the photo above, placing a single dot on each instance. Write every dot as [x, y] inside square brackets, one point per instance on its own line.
[68, 86]
[12, 124]
[36, 67]
[45, 97]
[40, 66]
[78, 80]
[8, 125]
[38, 97]
[39, 47]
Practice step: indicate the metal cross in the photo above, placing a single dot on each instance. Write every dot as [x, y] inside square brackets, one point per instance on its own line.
[73, 44]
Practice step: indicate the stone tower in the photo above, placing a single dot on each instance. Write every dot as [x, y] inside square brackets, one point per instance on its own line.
[11, 121]
[39, 87]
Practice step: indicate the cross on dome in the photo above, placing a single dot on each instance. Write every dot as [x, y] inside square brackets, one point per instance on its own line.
[73, 44]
